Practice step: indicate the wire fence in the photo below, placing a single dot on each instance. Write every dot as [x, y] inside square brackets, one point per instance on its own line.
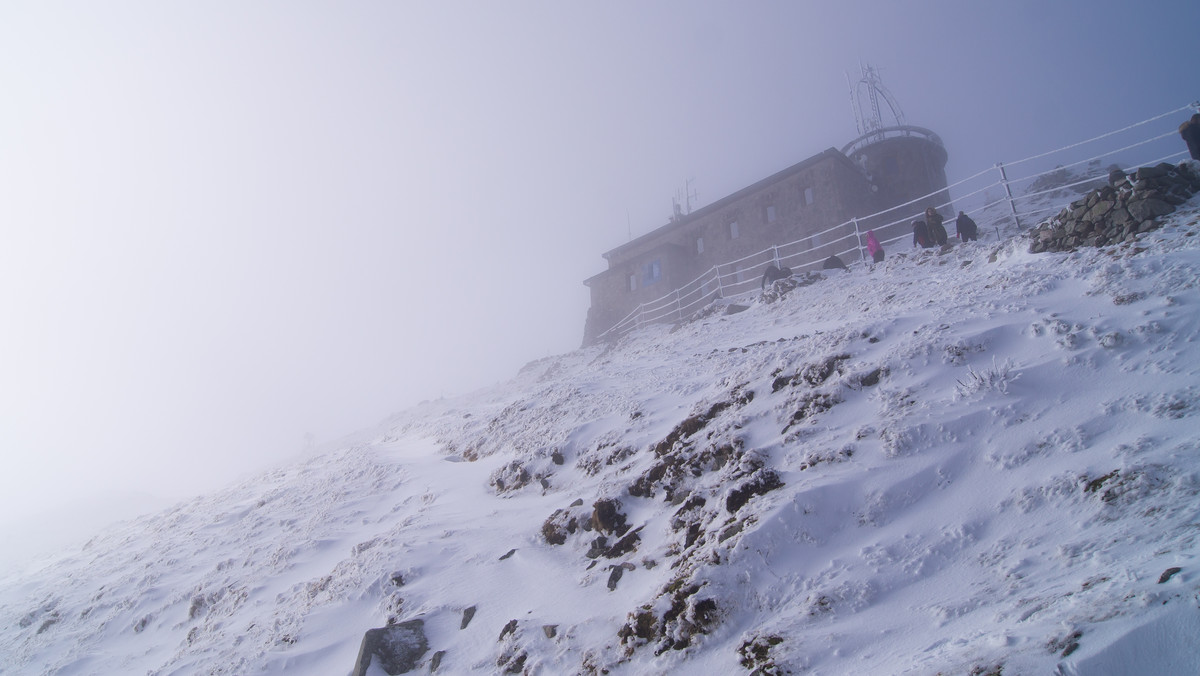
[1004, 200]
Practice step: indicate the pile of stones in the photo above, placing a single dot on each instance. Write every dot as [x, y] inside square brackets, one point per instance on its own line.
[1118, 212]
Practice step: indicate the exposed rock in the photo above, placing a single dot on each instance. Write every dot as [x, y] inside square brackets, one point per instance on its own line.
[762, 482]
[1118, 212]
[1148, 208]
[1065, 645]
[598, 548]
[510, 477]
[468, 614]
[508, 629]
[1168, 574]
[514, 665]
[811, 374]
[437, 660]
[550, 630]
[554, 529]
[687, 616]
[608, 518]
[508, 554]
[615, 576]
[625, 545]
[756, 654]
[396, 649]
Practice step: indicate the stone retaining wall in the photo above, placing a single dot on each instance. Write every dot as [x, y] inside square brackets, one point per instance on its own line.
[1130, 205]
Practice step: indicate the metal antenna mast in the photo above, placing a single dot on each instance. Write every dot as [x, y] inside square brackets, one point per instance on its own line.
[682, 202]
[868, 91]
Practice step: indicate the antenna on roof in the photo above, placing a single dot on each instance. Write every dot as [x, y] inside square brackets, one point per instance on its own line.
[681, 203]
[867, 93]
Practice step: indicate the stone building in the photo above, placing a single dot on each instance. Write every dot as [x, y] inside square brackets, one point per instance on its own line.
[798, 217]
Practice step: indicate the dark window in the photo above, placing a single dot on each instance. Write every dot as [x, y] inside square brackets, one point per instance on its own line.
[651, 272]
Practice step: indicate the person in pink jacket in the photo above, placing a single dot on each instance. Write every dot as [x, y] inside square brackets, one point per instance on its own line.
[874, 247]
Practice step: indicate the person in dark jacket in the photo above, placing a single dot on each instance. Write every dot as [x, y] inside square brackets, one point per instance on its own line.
[967, 229]
[834, 263]
[1190, 131]
[773, 273]
[936, 230]
[921, 235]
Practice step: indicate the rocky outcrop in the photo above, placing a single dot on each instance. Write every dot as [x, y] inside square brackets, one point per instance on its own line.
[1119, 212]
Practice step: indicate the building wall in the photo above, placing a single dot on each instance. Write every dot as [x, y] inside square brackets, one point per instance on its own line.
[823, 191]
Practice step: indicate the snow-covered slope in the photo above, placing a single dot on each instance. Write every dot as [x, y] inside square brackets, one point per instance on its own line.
[977, 461]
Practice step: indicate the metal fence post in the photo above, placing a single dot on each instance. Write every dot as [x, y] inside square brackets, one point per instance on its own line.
[720, 289]
[775, 256]
[678, 306]
[1008, 192]
[858, 238]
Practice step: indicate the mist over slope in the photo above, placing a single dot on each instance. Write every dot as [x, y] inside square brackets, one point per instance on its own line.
[977, 460]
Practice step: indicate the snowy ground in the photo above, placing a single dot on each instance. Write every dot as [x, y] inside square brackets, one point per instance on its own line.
[988, 460]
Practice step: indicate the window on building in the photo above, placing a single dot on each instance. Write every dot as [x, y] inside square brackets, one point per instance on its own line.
[633, 282]
[652, 272]
[699, 245]
[733, 230]
[808, 196]
[769, 213]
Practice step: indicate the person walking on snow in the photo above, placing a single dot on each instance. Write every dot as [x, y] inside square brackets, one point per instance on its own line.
[874, 247]
[921, 235]
[936, 231]
[967, 230]
[1190, 132]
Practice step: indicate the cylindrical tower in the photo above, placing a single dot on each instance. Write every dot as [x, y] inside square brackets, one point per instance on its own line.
[904, 163]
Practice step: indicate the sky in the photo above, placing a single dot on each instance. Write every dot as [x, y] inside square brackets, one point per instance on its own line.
[231, 232]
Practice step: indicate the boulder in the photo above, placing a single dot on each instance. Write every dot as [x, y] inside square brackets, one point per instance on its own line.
[396, 649]
[1149, 208]
[607, 517]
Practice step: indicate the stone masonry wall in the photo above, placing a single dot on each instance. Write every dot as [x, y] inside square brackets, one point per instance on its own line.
[1130, 205]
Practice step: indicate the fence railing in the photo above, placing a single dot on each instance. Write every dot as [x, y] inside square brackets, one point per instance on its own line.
[989, 199]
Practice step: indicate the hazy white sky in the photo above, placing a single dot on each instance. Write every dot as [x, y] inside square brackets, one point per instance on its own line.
[226, 225]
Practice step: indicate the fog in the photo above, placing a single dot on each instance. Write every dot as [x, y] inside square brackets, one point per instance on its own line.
[236, 231]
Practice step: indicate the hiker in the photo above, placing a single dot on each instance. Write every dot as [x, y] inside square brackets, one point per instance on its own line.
[921, 235]
[936, 231]
[1190, 132]
[967, 229]
[773, 274]
[874, 247]
[834, 263]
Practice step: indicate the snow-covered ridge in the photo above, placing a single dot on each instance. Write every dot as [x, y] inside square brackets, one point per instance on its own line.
[975, 461]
